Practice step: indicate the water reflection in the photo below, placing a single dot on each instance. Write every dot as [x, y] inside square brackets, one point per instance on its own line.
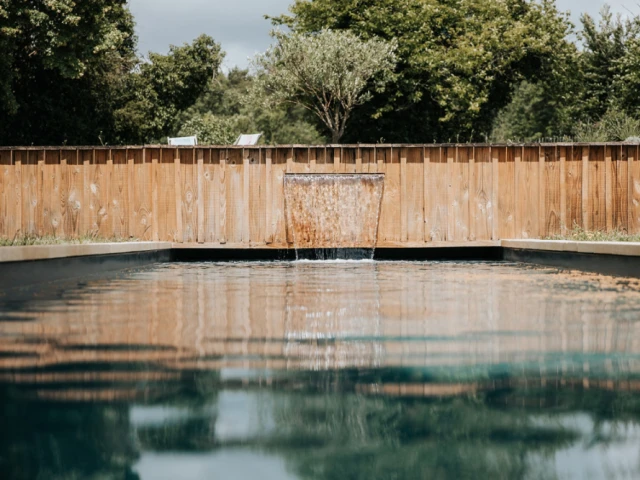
[323, 371]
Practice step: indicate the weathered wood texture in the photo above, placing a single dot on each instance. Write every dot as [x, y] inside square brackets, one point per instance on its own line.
[235, 195]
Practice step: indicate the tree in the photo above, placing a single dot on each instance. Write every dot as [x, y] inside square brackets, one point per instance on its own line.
[163, 87]
[329, 73]
[62, 66]
[607, 63]
[459, 61]
[225, 110]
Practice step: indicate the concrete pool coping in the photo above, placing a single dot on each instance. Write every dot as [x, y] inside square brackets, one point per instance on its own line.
[30, 265]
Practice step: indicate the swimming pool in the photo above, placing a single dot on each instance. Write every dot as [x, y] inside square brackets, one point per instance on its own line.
[323, 370]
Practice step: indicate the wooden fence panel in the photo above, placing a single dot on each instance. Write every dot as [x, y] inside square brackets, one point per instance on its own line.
[235, 195]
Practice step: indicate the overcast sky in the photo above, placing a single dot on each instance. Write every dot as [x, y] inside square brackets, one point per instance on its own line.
[240, 27]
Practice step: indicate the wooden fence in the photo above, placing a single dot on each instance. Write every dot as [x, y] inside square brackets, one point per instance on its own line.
[234, 195]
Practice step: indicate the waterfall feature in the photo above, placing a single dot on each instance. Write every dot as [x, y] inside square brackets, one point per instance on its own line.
[333, 216]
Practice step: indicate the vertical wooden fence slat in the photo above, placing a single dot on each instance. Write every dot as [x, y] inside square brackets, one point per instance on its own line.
[269, 235]
[66, 223]
[17, 191]
[209, 196]
[254, 191]
[562, 154]
[585, 188]
[40, 212]
[130, 205]
[596, 207]
[495, 158]
[246, 215]
[278, 169]
[6, 220]
[619, 189]
[414, 184]
[142, 204]
[29, 192]
[481, 192]
[235, 196]
[634, 189]
[389, 229]
[188, 192]
[222, 195]
[507, 191]
[459, 196]
[200, 194]
[404, 216]
[177, 180]
[608, 188]
[155, 206]
[438, 199]
[527, 197]
[551, 178]
[574, 171]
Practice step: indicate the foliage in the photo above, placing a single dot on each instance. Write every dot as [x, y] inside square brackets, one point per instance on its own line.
[614, 126]
[228, 101]
[458, 61]
[535, 113]
[607, 63]
[579, 234]
[164, 86]
[62, 65]
[211, 129]
[329, 73]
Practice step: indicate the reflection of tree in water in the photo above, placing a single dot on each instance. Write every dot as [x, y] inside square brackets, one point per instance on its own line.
[76, 440]
[491, 434]
[64, 440]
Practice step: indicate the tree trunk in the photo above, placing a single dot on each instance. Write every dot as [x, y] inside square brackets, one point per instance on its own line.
[336, 135]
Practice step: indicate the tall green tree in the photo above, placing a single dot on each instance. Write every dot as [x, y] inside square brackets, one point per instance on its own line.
[459, 60]
[329, 73]
[608, 63]
[226, 110]
[61, 69]
[161, 88]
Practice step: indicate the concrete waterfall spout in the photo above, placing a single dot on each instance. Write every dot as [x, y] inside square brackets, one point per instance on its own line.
[333, 216]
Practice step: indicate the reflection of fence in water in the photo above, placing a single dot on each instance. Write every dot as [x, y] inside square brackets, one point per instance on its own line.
[307, 316]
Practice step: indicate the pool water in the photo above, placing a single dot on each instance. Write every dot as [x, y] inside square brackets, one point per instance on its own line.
[322, 370]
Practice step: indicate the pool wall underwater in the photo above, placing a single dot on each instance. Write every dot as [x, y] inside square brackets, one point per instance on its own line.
[26, 266]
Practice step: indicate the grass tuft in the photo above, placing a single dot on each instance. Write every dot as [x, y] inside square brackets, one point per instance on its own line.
[578, 234]
[33, 239]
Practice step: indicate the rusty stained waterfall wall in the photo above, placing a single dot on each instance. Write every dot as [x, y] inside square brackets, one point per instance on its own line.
[235, 196]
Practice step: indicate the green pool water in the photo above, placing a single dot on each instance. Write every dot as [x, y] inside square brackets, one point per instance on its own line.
[322, 370]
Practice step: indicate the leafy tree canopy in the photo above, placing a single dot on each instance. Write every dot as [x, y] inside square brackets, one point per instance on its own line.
[329, 73]
[459, 61]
